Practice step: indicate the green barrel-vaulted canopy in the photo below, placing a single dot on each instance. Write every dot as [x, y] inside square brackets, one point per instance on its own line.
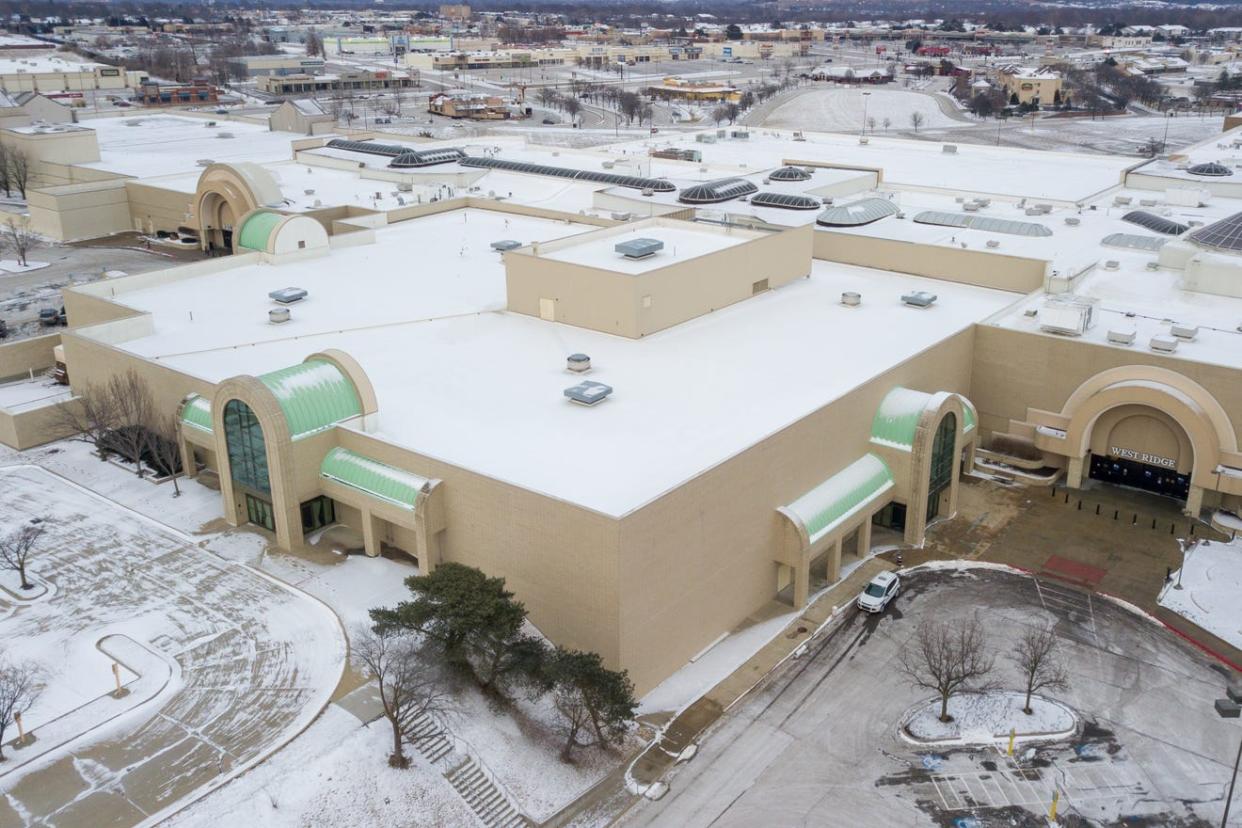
[823, 508]
[196, 412]
[313, 396]
[257, 229]
[380, 480]
[897, 418]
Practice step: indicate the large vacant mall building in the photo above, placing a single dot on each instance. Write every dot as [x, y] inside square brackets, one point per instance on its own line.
[656, 393]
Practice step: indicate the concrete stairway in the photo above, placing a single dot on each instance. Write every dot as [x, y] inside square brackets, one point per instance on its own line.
[489, 803]
[427, 737]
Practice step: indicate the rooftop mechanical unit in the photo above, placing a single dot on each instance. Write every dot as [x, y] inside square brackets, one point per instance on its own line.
[287, 295]
[578, 363]
[1165, 344]
[1186, 332]
[851, 298]
[505, 244]
[639, 248]
[588, 392]
[1067, 316]
[918, 299]
[278, 316]
[1121, 336]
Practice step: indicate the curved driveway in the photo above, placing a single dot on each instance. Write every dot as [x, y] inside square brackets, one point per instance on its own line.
[253, 661]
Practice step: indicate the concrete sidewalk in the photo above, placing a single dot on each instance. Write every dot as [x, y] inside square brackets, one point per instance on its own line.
[690, 723]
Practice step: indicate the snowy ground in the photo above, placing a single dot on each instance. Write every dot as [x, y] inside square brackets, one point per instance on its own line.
[982, 718]
[1211, 580]
[335, 774]
[235, 664]
[841, 110]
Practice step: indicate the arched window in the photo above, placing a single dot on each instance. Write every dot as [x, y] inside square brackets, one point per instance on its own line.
[942, 460]
[247, 449]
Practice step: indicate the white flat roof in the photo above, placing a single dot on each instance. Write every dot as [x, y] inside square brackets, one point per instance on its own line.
[681, 243]
[157, 145]
[460, 379]
[974, 169]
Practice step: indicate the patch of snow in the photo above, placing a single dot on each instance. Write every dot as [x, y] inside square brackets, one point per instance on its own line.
[696, 678]
[336, 773]
[11, 266]
[982, 718]
[1211, 579]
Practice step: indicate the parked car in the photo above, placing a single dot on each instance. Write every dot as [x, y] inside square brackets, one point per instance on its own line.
[50, 317]
[4, 329]
[879, 593]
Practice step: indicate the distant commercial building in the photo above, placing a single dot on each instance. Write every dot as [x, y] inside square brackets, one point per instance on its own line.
[304, 115]
[156, 94]
[470, 105]
[1031, 86]
[679, 89]
[455, 11]
[51, 73]
[253, 66]
[360, 79]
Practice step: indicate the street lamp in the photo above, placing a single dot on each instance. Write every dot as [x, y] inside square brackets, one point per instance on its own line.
[1181, 544]
[865, 95]
[1229, 709]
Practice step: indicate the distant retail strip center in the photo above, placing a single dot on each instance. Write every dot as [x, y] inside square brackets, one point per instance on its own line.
[656, 384]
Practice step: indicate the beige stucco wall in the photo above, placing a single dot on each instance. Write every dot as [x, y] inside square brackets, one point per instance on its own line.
[972, 267]
[635, 305]
[697, 561]
[1014, 371]
[80, 211]
[153, 208]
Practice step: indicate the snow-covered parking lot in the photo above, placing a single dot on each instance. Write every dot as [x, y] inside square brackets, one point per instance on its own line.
[223, 664]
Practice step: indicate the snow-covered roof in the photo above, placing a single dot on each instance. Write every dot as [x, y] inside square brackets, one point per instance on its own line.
[431, 332]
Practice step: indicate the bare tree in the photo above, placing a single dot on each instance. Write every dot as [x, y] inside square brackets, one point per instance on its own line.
[165, 447]
[948, 657]
[411, 683]
[871, 123]
[19, 169]
[6, 176]
[20, 686]
[17, 236]
[15, 549]
[1037, 656]
[134, 411]
[888, 122]
[572, 107]
[917, 119]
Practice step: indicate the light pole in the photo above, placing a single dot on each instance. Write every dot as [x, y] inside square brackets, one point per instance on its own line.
[865, 96]
[1181, 544]
[1229, 708]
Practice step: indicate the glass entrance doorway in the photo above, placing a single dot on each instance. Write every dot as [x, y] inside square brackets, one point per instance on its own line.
[318, 513]
[259, 512]
[1157, 479]
[941, 476]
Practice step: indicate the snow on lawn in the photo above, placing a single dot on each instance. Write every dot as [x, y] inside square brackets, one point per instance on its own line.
[980, 718]
[521, 745]
[1211, 580]
[254, 661]
[841, 110]
[334, 774]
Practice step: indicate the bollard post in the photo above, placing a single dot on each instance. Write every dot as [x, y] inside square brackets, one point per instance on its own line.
[116, 674]
[1115, 511]
[1097, 508]
[1134, 520]
[1013, 732]
[1056, 797]
[1080, 505]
